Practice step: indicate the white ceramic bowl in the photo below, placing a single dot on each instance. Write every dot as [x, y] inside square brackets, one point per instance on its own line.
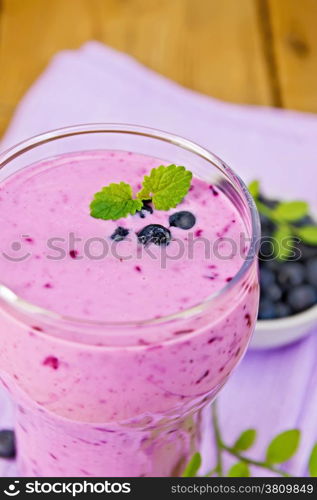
[278, 332]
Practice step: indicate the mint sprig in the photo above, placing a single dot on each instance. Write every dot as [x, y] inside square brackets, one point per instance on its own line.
[282, 241]
[254, 188]
[280, 449]
[245, 440]
[193, 466]
[283, 447]
[285, 215]
[308, 234]
[166, 186]
[290, 211]
[312, 464]
[239, 469]
[114, 201]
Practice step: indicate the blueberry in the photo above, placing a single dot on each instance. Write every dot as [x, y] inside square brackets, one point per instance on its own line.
[270, 203]
[311, 266]
[306, 251]
[147, 207]
[267, 309]
[154, 233]
[266, 248]
[273, 292]
[7, 444]
[267, 226]
[302, 297]
[267, 277]
[272, 265]
[119, 234]
[183, 220]
[282, 310]
[291, 274]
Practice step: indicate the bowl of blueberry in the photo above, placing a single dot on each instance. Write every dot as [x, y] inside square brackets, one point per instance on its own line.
[288, 271]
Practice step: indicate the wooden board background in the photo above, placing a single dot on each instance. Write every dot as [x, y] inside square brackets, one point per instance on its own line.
[249, 51]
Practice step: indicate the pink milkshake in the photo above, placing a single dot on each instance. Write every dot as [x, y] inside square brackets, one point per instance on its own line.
[111, 343]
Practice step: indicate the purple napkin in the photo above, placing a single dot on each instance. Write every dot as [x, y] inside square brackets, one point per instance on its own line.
[272, 390]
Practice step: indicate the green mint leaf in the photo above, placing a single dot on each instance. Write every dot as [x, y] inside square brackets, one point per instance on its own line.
[245, 440]
[308, 234]
[254, 188]
[166, 186]
[114, 201]
[283, 447]
[193, 466]
[312, 465]
[290, 211]
[264, 210]
[240, 469]
[282, 241]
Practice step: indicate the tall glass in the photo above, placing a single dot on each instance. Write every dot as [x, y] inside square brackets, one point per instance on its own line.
[127, 397]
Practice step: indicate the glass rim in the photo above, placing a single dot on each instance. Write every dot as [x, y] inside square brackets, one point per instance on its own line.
[12, 299]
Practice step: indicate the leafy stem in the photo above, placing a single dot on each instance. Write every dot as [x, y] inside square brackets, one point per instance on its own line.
[281, 448]
[218, 441]
[290, 220]
[165, 187]
[269, 213]
[264, 210]
[257, 463]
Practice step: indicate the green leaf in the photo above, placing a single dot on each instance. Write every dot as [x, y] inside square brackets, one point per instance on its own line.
[312, 465]
[290, 211]
[283, 447]
[254, 188]
[240, 469]
[282, 242]
[263, 209]
[114, 201]
[193, 466]
[245, 440]
[308, 234]
[166, 186]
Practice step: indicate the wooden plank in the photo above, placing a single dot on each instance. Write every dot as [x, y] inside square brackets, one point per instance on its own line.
[31, 32]
[294, 27]
[210, 46]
